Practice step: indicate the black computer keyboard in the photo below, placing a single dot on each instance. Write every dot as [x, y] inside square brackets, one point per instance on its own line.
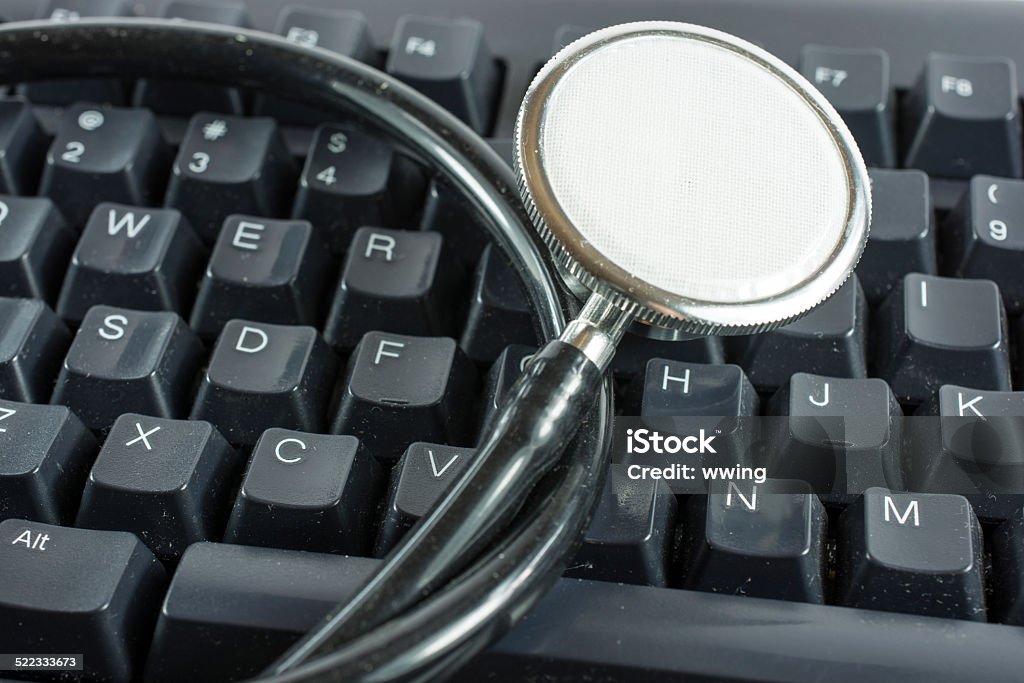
[244, 347]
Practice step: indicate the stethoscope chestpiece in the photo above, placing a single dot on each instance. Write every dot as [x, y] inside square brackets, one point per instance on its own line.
[691, 178]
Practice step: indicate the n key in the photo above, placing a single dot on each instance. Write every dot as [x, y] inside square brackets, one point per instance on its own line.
[262, 376]
[176, 477]
[936, 331]
[229, 165]
[985, 237]
[393, 281]
[123, 360]
[919, 553]
[399, 389]
[144, 259]
[266, 270]
[108, 154]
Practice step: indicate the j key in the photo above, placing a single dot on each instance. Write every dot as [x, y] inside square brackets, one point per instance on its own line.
[231, 610]
[446, 212]
[145, 259]
[1008, 570]
[763, 540]
[830, 340]
[502, 375]
[963, 118]
[35, 246]
[266, 270]
[308, 492]
[985, 237]
[393, 281]
[936, 330]
[68, 590]
[32, 344]
[684, 398]
[47, 453]
[902, 237]
[64, 92]
[499, 312]
[967, 441]
[229, 165]
[104, 154]
[22, 147]
[185, 99]
[353, 178]
[911, 552]
[842, 436]
[447, 60]
[175, 477]
[263, 376]
[398, 390]
[856, 82]
[342, 31]
[123, 360]
[636, 350]
[631, 534]
[418, 482]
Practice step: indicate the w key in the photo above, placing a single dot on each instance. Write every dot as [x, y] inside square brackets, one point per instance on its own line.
[108, 154]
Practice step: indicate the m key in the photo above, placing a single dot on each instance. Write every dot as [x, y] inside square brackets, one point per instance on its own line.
[123, 360]
[911, 552]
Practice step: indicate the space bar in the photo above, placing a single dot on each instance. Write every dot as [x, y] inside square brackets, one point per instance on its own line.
[588, 630]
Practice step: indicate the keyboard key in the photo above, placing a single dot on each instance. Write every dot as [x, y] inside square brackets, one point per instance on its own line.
[448, 61]
[22, 147]
[830, 340]
[963, 118]
[109, 154]
[266, 270]
[35, 246]
[47, 453]
[630, 537]
[144, 259]
[446, 212]
[966, 441]
[499, 312]
[399, 389]
[263, 376]
[902, 237]
[67, 91]
[185, 99]
[841, 436]
[352, 178]
[936, 330]
[393, 281]
[985, 238]
[228, 165]
[176, 477]
[231, 610]
[1007, 603]
[420, 479]
[308, 492]
[856, 82]
[636, 350]
[763, 540]
[123, 360]
[502, 375]
[65, 590]
[32, 344]
[344, 32]
[911, 552]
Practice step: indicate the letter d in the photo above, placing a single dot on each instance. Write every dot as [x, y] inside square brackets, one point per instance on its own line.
[240, 345]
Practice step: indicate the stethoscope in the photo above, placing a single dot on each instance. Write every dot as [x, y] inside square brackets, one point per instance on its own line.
[667, 176]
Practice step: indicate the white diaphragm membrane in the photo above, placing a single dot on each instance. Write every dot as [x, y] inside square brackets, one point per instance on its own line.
[694, 168]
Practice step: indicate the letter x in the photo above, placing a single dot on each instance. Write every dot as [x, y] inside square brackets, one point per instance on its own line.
[143, 436]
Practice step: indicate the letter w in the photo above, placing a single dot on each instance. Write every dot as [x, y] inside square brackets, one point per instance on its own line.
[127, 221]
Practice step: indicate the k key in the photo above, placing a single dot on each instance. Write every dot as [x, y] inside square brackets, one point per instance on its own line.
[263, 376]
[229, 165]
[145, 259]
[123, 360]
[936, 331]
[398, 390]
[109, 154]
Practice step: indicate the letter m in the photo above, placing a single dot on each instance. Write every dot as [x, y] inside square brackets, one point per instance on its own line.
[890, 506]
